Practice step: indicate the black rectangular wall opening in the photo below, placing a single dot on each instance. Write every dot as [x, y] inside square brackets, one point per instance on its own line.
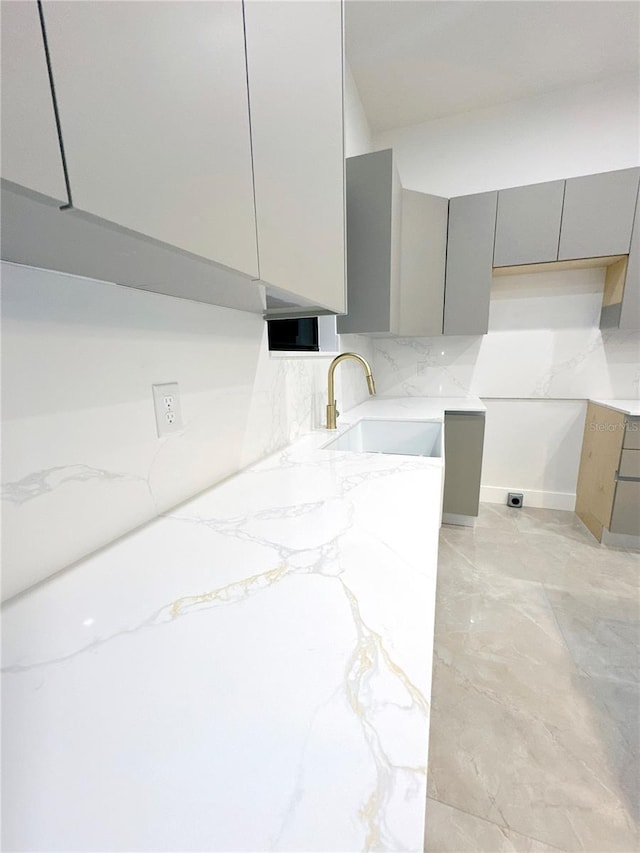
[294, 335]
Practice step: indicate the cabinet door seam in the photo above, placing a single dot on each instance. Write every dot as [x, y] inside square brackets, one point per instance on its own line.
[56, 112]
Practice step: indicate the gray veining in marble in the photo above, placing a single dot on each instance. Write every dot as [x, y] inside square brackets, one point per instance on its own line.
[38, 483]
[535, 727]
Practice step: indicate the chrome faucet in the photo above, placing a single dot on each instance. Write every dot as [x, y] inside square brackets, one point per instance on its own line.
[332, 412]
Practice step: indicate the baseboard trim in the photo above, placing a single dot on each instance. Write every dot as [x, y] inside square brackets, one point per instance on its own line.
[621, 540]
[456, 518]
[532, 497]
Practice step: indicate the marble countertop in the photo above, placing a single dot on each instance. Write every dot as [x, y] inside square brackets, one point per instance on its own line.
[251, 671]
[627, 407]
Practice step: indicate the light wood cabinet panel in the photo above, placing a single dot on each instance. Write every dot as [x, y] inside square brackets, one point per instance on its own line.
[154, 114]
[528, 224]
[295, 66]
[31, 156]
[597, 218]
[472, 220]
[606, 503]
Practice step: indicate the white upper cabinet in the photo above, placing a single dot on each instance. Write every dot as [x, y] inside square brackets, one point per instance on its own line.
[295, 66]
[154, 112]
[31, 154]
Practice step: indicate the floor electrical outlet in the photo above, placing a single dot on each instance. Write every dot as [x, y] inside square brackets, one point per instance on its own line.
[166, 401]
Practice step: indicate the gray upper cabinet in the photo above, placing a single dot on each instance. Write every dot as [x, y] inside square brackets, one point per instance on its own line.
[528, 224]
[630, 310]
[31, 156]
[396, 249]
[597, 218]
[154, 115]
[295, 59]
[374, 221]
[422, 263]
[472, 220]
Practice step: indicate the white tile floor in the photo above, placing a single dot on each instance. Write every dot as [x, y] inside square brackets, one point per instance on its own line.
[535, 705]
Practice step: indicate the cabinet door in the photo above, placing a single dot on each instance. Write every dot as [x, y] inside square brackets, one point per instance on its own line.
[625, 517]
[472, 220]
[154, 115]
[371, 188]
[597, 218]
[423, 257]
[630, 312]
[528, 224]
[30, 146]
[294, 59]
[463, 445]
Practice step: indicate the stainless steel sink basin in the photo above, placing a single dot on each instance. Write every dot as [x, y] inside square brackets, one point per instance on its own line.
[407, 438]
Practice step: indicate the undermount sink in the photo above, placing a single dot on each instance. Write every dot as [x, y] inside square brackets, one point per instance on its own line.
[407, 438]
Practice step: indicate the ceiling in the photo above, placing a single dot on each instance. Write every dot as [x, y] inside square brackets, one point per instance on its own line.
[416, 60]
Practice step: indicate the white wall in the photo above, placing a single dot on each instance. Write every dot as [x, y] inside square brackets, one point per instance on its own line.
[544, 354]
[570, 132]
[81, 462]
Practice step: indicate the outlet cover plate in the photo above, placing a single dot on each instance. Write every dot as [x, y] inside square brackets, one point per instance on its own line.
[166, 402]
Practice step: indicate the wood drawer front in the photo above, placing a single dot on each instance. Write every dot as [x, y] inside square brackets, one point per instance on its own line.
[630, 463]
[632, 434]
[626, 508]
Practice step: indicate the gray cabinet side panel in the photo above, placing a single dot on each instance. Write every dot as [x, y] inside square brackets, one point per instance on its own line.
[631, 440]
[630, 312]
[598, 214]
[395, 252]
[528, 224]
[464, 440]
[424, 244]
[369, 202]
[625, 517]
[472, 222]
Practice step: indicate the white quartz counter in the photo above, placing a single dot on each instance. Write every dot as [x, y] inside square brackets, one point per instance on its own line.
[251, 671]
[627, 407]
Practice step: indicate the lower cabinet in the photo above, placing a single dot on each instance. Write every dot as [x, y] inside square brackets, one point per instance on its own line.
[608, 491]
[463, 445]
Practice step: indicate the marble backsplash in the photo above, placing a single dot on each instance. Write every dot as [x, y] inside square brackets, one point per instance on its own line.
[576, 364]
[543, 342]
[81, 461]
[543, 356]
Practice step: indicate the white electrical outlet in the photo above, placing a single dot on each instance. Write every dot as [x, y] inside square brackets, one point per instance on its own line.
[166, 401]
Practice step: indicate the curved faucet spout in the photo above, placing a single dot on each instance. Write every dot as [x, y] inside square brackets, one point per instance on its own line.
[332, 411]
